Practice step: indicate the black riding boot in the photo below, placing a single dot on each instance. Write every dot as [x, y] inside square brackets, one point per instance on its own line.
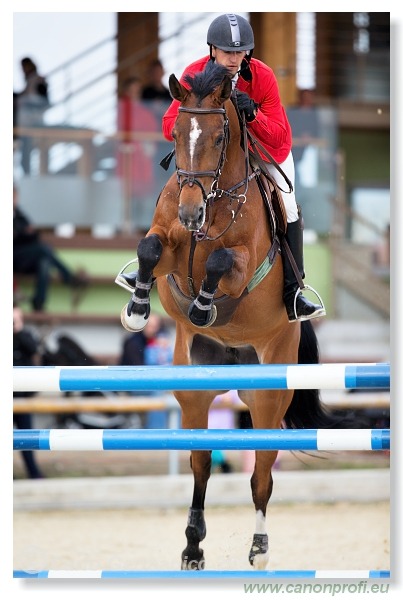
[303, 309]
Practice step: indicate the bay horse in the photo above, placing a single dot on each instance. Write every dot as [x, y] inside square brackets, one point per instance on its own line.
[213, 254]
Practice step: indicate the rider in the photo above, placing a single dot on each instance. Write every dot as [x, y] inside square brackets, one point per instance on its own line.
[231, 42]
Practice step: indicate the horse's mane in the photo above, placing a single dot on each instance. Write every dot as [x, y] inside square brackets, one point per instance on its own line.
[204, 83]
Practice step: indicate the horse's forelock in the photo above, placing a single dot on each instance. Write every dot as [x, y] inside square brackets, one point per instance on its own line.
[204, 83]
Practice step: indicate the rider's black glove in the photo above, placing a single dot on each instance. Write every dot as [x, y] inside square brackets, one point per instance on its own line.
[246, 105]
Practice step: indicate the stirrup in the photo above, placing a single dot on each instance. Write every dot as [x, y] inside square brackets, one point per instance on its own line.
[320, 312]
[121, 281]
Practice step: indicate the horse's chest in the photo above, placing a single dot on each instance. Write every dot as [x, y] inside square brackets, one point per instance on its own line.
[206, 350]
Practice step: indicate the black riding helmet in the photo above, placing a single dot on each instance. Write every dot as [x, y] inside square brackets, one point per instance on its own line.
[229, 33]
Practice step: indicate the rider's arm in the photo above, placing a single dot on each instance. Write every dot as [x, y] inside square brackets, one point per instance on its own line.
[169, 118]
[271, 126]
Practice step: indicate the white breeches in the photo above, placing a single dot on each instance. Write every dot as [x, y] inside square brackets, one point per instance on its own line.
[290, 202]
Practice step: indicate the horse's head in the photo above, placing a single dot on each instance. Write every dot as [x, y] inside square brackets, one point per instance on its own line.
[201, 135]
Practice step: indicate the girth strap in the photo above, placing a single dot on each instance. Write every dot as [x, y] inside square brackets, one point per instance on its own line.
[226, 306]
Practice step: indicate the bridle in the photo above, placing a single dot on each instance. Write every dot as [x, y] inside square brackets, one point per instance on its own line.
[191, 178]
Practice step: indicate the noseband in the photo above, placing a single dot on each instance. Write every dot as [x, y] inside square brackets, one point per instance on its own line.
[192, 177]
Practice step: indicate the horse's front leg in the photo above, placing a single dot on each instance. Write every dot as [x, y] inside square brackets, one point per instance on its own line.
[200, 462]
[193, 555]
[135, 314]
[202, 311]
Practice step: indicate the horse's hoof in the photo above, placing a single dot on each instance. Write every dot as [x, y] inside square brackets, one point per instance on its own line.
[134, 322]
[211, 317]
[259, 553]
[259, 562]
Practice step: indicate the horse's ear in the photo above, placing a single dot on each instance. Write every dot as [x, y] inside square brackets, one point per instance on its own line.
[178, 92]
[224, 91]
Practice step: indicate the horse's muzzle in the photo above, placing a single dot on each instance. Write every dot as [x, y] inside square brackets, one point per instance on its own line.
[192, 218]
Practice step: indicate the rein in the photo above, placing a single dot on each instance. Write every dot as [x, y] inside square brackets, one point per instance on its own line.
[191, 178]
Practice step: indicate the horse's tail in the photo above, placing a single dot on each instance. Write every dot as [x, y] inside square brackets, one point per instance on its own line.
[306, 409]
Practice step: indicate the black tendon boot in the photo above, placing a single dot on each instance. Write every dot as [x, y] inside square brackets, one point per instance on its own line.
[297, 306]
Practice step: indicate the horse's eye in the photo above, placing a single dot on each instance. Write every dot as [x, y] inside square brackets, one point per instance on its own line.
[173, 134]
[219, 140]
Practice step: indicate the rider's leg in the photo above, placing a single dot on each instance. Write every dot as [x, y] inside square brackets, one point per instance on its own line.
[304, 309]
[128, 280]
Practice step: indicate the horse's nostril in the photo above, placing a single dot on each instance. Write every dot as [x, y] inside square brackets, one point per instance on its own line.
[191, 218]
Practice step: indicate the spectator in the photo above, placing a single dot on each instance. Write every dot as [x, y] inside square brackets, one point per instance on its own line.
[155, 89]
[29, 107]
[306, 130]
[25, 354]
[136, 153]
[32, 256]
[223, 418]
[157, 98]
[151, 346]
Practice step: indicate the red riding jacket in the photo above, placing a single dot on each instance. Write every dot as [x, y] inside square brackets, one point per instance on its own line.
[271, 126]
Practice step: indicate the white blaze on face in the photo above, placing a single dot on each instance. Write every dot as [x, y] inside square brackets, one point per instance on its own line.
[194, 134]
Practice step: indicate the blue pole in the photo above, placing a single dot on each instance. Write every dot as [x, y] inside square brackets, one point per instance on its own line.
[202, 439]
[206, 377]
[245, 575]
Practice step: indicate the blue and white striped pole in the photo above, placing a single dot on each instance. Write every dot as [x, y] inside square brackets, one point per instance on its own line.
[206, 377]
[202, 439]
[245, 575]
